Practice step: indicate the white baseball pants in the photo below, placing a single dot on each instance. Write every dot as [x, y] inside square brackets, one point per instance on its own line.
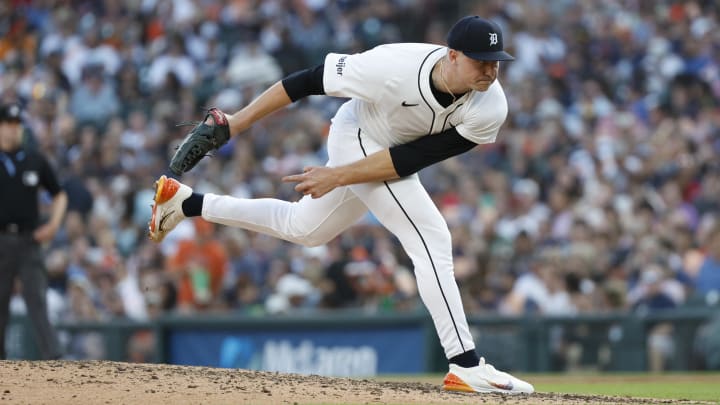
[403, 206]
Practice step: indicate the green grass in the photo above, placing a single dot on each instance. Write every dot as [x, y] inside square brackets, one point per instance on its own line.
[689, 386]
[700, 387]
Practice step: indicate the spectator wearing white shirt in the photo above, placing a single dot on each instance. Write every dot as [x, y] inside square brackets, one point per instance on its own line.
[176, 61]
[95, 100]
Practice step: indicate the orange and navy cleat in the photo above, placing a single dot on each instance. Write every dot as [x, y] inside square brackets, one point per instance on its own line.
[167, 207]
[484, 378]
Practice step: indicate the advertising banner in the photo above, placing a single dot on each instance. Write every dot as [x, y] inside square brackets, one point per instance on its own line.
[356, 353]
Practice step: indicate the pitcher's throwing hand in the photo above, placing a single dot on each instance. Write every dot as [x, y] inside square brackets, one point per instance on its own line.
[315, 181]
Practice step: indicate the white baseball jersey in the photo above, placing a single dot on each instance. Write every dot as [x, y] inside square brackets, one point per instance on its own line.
[390, 90]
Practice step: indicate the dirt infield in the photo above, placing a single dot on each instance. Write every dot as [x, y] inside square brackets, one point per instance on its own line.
[103, 382]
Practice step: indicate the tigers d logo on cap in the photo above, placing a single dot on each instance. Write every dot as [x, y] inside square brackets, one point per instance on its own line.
[493, 38]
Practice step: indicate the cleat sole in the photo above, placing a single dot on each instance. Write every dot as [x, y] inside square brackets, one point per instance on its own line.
[165, 189]
[454, 383]
[158, 186]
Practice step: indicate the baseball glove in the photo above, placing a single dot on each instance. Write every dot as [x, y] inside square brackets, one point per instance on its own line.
[202, 139]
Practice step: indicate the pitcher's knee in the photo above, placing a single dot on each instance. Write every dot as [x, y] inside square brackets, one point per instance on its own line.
[308, 237]
[307, 233]
[312, 240]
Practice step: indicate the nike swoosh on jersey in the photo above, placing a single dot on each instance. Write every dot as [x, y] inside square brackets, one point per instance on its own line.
[405, 104]
[162, 220]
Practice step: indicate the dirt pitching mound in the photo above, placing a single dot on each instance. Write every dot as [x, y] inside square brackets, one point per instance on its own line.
[104, 382]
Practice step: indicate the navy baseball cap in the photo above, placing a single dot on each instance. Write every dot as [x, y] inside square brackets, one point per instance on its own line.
[10, 113]
[478, 38]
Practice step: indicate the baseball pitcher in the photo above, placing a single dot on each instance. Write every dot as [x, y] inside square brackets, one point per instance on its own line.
[411, 105]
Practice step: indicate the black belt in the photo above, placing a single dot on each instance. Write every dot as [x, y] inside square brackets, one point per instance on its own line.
[15, 229]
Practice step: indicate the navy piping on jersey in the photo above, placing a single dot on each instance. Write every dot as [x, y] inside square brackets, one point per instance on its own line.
[432, 263]
[448, 116]
[432, 123]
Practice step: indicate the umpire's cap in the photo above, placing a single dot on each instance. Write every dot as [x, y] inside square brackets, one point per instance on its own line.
[478, 38]
[10, 112]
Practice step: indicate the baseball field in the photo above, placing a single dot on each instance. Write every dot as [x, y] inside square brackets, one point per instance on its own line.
[103, 382]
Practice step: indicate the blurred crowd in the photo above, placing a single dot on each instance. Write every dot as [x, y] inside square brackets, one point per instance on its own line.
[601, 193]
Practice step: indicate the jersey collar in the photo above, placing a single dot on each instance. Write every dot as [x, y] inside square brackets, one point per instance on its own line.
[424, 81]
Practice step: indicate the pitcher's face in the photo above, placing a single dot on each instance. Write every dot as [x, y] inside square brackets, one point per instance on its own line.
[477, 74]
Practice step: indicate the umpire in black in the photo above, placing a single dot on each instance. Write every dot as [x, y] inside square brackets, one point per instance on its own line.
[22, 172]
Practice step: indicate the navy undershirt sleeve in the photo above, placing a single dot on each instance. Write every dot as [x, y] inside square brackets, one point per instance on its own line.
[410, 157]
[305, 83]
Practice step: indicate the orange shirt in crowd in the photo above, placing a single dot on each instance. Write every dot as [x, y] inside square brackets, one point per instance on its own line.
[201, 254]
